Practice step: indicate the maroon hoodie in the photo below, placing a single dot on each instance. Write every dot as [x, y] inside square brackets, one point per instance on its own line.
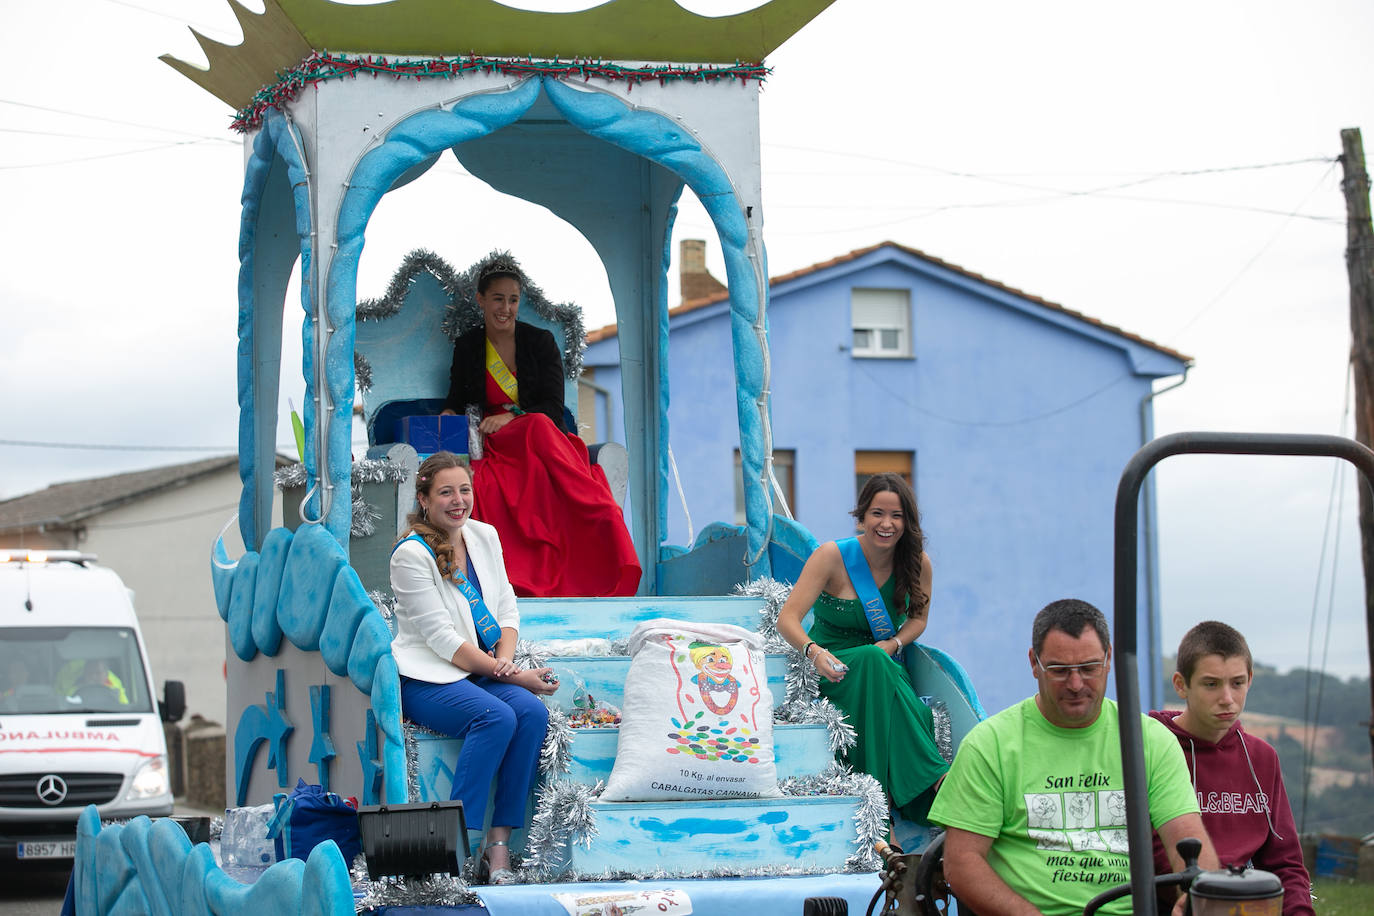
[1244, 808]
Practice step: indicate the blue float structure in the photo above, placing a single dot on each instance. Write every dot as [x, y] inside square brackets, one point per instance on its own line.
[340, 104]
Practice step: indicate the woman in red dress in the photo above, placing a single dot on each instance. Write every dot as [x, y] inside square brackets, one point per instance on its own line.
[561, 529]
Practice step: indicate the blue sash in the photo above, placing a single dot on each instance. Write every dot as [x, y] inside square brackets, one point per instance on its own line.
[488, 631]
[861, 577]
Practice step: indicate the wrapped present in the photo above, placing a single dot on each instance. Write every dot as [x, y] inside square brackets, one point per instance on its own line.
[430, 434]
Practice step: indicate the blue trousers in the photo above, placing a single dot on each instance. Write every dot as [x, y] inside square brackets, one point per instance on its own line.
[502, 726]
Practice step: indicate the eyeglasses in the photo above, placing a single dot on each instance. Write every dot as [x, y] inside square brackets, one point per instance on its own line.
[1087, 671]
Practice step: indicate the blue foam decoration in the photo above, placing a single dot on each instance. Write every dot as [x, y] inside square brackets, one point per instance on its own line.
[312, 564]
[348, 605]
[249, 734]
[271, 566]
[386, 704]
[321, 743]
[277, 892]
[241, 607]
[134, 839]
[195, 873]
[959, 676]
[168, 847]
[222, 579]
[113, 870]
[370, 762]
[663, 141]
[371, 641]
[277, 140]
[84, 868]
[325, 888]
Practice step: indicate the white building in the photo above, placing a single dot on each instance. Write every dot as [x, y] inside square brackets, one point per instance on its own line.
[155, 529]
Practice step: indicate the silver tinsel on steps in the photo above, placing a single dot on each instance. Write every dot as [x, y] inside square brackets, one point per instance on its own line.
[562, 815]
[870, 816]
[435, 890]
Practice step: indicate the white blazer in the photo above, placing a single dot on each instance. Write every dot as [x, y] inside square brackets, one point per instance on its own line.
[432, 616]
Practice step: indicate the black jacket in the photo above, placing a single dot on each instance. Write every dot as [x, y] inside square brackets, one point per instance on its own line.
[538, 372]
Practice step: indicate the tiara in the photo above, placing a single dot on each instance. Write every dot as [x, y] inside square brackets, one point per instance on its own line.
[500, 262]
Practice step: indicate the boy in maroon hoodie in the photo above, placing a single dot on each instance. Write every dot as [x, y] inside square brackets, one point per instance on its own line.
[1236, 776]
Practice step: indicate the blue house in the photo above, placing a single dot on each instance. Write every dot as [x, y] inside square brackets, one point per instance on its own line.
[1012, 417]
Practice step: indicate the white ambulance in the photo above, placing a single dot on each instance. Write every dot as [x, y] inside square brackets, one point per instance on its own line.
[79, 724]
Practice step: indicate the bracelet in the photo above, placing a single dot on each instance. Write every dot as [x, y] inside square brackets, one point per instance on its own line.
[898, 640]
[806, 650]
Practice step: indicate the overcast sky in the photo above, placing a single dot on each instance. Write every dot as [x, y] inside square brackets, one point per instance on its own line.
[1169, 168]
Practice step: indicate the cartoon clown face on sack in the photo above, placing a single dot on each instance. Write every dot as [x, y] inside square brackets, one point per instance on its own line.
[714, 679]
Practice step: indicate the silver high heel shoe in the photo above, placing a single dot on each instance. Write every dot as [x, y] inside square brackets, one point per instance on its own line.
[485, 873]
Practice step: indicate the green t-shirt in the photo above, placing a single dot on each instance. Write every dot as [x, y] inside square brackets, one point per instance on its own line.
[1054, 802]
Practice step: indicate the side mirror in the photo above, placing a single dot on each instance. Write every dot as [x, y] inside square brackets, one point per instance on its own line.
[173, 704]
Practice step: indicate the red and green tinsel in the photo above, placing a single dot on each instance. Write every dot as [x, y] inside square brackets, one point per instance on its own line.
[322, 66]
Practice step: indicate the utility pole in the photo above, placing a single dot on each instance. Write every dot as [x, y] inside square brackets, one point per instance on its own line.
[1359, 263]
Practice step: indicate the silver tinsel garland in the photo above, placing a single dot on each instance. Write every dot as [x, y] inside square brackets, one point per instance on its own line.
[435, 890]
[362, 372]
[386, 604]
[463, 313]
[555, 756]
[562, 814]
[820, 712]
[774, 595]
[870, 816]
[368, 470]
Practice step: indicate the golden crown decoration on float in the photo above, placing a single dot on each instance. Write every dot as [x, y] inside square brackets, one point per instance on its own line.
[288, 32]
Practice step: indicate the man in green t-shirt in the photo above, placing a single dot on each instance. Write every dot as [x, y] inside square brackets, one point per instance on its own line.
[1035, 803]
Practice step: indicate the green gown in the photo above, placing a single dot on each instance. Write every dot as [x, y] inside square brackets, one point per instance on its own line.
[896, 741]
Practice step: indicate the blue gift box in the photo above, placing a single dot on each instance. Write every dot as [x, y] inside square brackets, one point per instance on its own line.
[430, 434]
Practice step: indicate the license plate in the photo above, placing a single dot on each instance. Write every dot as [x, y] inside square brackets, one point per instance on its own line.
[48, 849]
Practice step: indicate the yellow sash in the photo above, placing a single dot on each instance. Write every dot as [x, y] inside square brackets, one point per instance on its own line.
[505, 379]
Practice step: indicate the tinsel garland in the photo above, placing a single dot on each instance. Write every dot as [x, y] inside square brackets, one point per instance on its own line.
[386, 604]
[555, 756]
[435, 890]
[870, 816]
[820, 712]
[463, 313]
[368, 470]
[408, 732]
[562, 814]
[362, 372]
[321, 66]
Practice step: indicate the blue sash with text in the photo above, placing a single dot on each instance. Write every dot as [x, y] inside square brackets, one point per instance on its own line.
[861, 577]
[488, 631]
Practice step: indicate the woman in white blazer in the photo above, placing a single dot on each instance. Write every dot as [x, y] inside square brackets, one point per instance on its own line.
[456, 628]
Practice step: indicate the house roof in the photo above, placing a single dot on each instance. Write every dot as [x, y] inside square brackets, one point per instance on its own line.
[65, 504]
[692, 305]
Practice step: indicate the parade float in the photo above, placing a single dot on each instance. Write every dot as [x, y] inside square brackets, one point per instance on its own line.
[603, 117]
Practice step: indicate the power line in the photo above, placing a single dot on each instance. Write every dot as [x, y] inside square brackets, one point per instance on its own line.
[1253, 260]
[150, 522]
[110, 447]
[115, 447]
[143, 9]
[132, 152]
[119, 121]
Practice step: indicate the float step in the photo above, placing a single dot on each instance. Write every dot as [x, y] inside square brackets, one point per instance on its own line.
[800, 750]
[603, 676]
[719, 835]
[614, 618]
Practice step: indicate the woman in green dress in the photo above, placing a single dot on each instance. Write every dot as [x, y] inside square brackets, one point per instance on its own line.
[858, 655]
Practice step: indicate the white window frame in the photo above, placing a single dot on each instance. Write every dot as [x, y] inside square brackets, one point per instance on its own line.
[874, 310]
